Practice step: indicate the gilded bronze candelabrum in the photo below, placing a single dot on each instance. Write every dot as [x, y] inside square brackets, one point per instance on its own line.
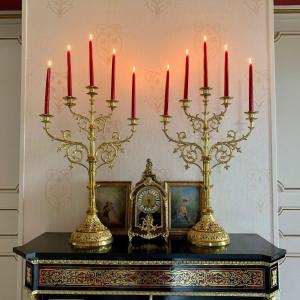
[207, 156]
[91, 233]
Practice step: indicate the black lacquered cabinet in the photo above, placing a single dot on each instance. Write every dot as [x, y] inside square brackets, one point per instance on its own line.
[247, 269]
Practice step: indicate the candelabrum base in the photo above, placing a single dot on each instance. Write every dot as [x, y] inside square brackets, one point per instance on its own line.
[91, 233]
[207, 233]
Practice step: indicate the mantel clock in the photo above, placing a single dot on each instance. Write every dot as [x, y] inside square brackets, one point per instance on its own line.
[148, 210]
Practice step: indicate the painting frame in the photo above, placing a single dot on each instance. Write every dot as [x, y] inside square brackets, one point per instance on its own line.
[169, 185]
[126, 185]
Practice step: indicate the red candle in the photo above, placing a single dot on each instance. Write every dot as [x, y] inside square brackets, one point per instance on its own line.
[133, 94]
[113, 66]
[205, 81]
[166, 107]
[226, 85]
[91, 63]
[47, 89]
[251, 106]
[69, 71]
[186, 77]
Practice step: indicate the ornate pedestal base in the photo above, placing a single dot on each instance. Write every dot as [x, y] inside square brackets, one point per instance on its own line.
[207, 233]
[91, 233]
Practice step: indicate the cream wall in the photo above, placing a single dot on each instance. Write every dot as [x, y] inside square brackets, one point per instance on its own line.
[148, 34]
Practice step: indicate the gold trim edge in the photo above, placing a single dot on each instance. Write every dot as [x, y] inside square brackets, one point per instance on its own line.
[154, 293]
[154, 262]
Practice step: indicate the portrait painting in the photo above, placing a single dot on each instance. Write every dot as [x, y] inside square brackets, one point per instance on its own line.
[184, 205]
[112, 198]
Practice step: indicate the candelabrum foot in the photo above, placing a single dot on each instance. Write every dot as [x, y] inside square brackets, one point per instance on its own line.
[91, 233]
[207, 233]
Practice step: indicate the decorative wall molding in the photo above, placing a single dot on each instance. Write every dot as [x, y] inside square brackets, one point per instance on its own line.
[286, 11]
[18, 38]
[282, 188]
[11, 16]
[281, 209]
[284, 235]
[279, 34]
[10, 189]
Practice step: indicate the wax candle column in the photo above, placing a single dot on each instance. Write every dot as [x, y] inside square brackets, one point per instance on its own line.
[47, 89]
[91, 62]
[113, 67]
[166, 107]
[205, 74]
[186, 77]
[133, 94]
[226, 83]
[69, 71]
[251, 105]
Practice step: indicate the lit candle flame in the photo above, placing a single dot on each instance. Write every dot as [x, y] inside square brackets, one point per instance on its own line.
[49, 63]
[69, 48]
[187, 51]
[168, 67]
[205, 38]
[250, 61]
[91, 36]
[133, 69]
[226, 48]
[114, 51]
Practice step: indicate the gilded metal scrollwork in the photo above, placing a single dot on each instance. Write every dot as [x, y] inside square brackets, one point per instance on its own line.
[91, 233]
[206, 156]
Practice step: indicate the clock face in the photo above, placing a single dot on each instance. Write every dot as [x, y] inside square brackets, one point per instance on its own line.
[149, 200]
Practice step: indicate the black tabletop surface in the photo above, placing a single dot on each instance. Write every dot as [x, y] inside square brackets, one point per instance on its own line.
[55, 245]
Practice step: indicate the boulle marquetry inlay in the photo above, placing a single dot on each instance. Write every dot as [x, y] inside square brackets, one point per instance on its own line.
[28, 277]
[151, 278]
[274, 277]
[246, 268]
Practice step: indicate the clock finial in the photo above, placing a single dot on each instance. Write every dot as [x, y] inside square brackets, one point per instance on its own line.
[148, 170]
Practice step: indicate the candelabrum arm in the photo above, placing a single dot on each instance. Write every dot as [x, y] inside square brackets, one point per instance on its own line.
[100, 122]
[223, 151]
[196, 121]
[83, 122]
[214, 122]
[74, 151]
[190, 152]
[107, 152]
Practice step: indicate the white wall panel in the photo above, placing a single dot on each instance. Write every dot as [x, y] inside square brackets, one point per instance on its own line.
[10, 86]
[7, 243]
[8, 222]
[287, 47]
[289, 221]
[9, 198]
[8, 275]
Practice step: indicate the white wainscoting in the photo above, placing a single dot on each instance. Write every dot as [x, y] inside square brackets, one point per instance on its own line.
[287, 63]
[10, 86]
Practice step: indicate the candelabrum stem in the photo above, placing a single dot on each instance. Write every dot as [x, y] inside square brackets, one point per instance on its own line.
[205, 157]
[92, 155]
[207, 232]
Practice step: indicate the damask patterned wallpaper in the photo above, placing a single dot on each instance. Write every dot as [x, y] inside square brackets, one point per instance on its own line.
[148, 34]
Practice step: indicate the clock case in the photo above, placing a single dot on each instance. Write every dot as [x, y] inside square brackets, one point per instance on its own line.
[144, 226]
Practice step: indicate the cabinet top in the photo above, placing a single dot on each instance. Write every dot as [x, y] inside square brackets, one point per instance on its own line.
[243, 247]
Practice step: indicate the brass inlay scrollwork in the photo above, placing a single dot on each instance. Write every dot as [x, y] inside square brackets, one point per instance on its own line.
[149, 278]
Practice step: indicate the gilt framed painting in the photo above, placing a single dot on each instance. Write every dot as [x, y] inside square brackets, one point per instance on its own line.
[184, 199]
[112, 199]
